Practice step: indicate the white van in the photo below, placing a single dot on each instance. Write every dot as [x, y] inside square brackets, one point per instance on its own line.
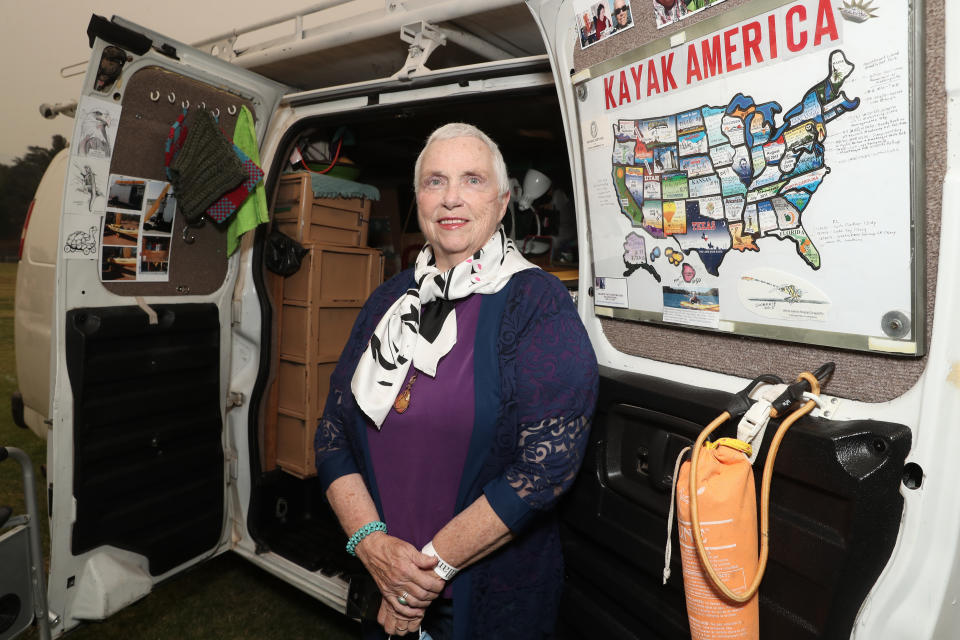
[33, 307]
[760, 188]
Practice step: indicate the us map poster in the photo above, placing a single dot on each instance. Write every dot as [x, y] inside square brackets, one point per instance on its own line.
[757, 179]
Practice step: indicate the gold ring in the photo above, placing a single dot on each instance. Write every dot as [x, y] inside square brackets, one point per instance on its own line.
[402, 628]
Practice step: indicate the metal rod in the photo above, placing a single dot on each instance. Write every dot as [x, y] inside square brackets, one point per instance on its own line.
[474, 44]
[270, 22]
[36, 551]
[334, 34]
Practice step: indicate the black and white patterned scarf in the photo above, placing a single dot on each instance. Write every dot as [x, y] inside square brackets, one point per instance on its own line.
[405, 336]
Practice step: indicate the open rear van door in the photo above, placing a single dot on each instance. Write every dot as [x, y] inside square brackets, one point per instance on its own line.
[142, 328]
[837, 498]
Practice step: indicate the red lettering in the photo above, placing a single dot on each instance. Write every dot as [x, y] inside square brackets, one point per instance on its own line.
[712, 64]
[608, 101]
[624, 87]
[826, 25]
[751, 43]
[653, 83]
[772, 28]
[636, 72]
[729, 49]
[798, 12]
[666, 72]
[693, 64]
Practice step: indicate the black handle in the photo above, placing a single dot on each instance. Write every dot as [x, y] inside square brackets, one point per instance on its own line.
[824, 372]
[3, 454]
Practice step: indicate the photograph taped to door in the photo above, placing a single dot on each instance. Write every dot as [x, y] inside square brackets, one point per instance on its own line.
[160, 205]
[598, 20]
[747, 150]
[667, 12]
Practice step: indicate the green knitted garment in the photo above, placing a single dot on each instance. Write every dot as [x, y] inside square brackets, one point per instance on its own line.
[205, 168]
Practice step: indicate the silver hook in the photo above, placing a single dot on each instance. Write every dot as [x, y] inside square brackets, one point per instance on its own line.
[232, 110]
[216, 112]
[203, 106]
[185, 104]
[155, 95]
[171, 97]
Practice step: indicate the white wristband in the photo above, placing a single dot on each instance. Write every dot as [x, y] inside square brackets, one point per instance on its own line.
[443, 569]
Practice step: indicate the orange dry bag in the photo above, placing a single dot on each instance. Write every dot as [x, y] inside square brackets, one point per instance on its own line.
[726, 500]
[718, 526]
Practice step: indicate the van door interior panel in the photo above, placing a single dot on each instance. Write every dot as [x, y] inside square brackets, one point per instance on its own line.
[152, 101]
[148, 460]
[835, 513]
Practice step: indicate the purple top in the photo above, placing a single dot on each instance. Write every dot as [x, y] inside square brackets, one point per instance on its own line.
[422, 452]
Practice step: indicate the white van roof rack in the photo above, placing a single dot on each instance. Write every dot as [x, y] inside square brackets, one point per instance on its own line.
[370, 19]
[335, 24]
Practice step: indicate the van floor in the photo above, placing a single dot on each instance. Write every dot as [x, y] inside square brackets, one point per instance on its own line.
[310, 544]
[294, 522]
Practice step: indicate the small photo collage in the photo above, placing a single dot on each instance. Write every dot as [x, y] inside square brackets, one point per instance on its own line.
[598, 20]
[136, 230]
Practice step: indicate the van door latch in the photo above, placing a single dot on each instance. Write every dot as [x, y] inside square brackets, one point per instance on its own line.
[235, 399]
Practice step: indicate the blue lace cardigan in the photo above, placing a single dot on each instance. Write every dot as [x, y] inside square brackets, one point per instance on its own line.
[535, 386]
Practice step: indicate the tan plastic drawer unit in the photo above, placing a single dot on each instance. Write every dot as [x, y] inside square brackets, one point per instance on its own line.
[343, 221]
[315, 311]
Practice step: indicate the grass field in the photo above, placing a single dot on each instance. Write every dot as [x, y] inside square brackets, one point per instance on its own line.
[224, 598]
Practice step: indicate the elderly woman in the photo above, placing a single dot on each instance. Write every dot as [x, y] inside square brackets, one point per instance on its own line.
[458, 414]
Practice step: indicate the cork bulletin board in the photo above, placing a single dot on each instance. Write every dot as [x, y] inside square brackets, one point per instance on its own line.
[152, 101]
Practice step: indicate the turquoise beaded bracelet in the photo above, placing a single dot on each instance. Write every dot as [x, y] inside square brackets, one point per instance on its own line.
[362, 533]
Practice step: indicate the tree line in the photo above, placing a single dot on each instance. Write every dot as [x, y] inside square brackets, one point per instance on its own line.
[18, 183]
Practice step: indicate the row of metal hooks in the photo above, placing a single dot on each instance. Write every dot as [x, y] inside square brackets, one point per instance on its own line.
[172, 99]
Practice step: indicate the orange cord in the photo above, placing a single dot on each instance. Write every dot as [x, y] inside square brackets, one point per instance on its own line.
[764, 494]
[336, 156]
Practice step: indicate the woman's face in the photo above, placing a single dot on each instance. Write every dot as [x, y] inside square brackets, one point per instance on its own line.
[458, 201]
[621, 12]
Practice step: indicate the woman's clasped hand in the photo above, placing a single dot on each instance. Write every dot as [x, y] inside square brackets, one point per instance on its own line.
[405, 578]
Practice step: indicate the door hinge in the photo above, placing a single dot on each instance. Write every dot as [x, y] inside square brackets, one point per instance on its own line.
[230, 457]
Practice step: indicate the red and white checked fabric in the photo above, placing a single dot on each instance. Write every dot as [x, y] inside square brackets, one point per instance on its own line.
[231, 201]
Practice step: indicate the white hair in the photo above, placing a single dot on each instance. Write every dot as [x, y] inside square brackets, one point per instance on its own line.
[463, 130]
